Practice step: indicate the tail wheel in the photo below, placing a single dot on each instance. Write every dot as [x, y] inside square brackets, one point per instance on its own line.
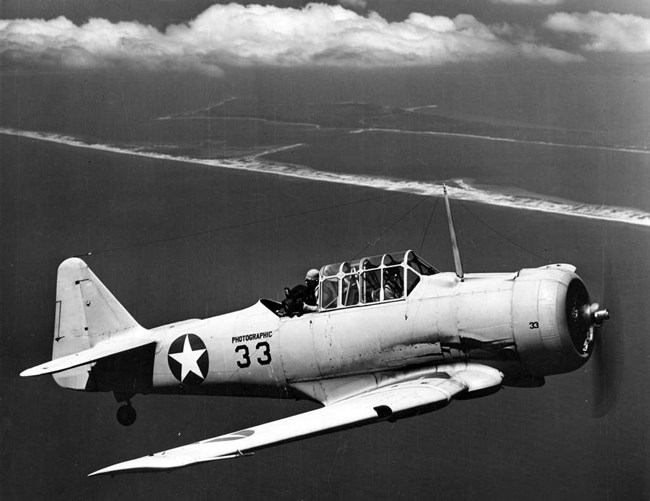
[126, 415]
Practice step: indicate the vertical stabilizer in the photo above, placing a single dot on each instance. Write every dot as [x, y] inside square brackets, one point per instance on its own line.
[86, 313]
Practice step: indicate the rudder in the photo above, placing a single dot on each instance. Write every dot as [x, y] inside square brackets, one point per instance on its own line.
[86, 313]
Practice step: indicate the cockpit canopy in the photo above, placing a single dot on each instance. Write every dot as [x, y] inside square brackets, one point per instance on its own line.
[370, 280]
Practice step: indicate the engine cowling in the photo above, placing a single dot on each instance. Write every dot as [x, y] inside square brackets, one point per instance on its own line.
[553, 319]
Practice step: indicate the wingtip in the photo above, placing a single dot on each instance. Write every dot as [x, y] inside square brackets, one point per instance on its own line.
[125, 467]
[150, 463]
[109, 471]
[158, 462]
[112, 471]
[96, 473]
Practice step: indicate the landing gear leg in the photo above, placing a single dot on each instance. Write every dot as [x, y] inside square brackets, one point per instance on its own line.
[126, 414]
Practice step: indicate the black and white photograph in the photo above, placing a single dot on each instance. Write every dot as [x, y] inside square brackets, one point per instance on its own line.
[329, 250]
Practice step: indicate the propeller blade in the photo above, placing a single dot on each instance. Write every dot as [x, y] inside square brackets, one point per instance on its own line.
[608, 348]
[603, 395]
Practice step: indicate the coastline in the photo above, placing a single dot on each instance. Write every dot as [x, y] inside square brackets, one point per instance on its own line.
[464, 191]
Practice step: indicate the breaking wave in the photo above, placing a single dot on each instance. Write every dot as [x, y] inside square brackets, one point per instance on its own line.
[463, 189]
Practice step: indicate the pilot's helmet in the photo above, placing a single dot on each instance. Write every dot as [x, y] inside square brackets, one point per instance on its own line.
[391, 274]
[312, 274]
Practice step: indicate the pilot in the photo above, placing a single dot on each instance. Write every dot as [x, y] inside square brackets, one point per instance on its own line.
[310, 298]
[392, 285]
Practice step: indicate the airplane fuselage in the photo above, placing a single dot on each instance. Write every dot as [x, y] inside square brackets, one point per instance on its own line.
[499, 319]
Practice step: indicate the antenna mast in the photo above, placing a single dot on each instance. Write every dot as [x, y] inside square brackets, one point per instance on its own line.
[452, 234]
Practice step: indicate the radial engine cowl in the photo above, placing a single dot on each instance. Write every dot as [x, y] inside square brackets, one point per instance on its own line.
[553, 319]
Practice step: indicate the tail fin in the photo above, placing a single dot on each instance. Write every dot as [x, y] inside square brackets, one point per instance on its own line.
[86, 314]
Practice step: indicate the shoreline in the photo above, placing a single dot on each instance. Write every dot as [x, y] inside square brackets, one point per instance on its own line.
[464, 191]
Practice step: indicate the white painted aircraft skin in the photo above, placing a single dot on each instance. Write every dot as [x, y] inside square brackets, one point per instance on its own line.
[447, 338]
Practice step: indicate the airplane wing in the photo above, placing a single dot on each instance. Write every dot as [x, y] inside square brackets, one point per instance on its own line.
[425, 393]
[101, 350]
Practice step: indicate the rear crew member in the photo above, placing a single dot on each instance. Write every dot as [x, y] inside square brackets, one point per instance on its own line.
[310, 299]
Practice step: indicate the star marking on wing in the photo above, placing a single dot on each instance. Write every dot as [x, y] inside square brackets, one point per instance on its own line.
[188, 359]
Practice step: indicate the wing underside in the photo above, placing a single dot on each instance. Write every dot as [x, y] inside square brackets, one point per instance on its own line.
[424, 392]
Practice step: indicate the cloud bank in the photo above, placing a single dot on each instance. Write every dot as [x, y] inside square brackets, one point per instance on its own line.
[238, 35]
[607, 32]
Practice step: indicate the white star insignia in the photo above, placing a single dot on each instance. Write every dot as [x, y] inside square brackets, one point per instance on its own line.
[188, 359]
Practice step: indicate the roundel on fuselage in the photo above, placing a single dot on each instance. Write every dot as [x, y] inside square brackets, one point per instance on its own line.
[188, 359]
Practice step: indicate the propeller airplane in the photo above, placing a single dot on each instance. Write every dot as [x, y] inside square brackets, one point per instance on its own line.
[389, 337]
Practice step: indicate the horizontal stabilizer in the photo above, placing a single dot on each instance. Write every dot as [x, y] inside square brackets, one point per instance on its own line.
[101, 350]
[399, 399]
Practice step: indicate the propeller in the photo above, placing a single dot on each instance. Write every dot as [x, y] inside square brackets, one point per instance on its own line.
[607, 347]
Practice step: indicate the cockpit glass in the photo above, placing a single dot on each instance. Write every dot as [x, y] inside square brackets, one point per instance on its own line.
[330, 270]
[385, 277]
[420, 265]
[389, 259]
[329, 293]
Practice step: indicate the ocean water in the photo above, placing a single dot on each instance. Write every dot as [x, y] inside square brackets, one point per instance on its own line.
[197, 198]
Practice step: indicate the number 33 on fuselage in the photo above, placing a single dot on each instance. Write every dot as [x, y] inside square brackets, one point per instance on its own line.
[391, 337]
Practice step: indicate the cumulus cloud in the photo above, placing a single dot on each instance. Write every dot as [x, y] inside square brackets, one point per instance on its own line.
[606, 32]
[223, 35]
[96, 44]
[539, 3]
